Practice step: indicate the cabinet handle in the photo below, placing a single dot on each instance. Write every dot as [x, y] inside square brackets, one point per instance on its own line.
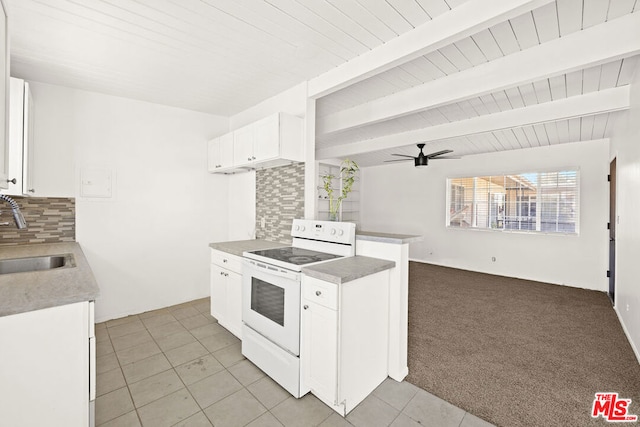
[224, 260]
[13, 181]
[31, 190]
[306, 307]
[318, 293]
[222, 273]
[253, 157]
[249, 158]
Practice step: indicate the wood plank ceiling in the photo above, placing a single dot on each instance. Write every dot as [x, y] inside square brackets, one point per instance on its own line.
[223, 56]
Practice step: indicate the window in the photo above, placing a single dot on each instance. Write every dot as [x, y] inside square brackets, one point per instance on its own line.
[545, 202]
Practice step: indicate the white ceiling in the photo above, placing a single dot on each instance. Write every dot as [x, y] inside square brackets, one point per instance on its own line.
[546, 72]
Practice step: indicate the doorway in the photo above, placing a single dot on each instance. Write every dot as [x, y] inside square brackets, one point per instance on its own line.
[612, 231]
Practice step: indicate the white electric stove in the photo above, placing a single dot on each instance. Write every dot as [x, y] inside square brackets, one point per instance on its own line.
[271, 295]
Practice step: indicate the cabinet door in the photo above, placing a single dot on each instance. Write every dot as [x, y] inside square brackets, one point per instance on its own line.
[44, 366]
[266, 142]
[234, 303]
[243, 146]
[16, 137]
[4, 94]
[28, 141]
[225, 143]
[218, 293]
[213, 155]
[318, 350]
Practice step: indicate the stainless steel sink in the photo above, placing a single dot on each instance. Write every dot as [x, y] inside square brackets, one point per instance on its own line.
[39, 263]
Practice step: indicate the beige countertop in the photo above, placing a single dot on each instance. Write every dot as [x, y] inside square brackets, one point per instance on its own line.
[237, 247]
[398, 239]
[34, 290]
[346, 269]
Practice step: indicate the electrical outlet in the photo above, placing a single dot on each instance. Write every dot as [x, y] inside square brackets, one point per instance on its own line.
[263, 222]
[493, 259]
[627, 307]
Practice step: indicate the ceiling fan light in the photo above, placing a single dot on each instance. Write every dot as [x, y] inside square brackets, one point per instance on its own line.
[421, 161]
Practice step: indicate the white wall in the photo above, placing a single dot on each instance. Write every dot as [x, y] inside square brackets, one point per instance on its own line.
[147, 245]
[625, 146]
[292, 101]
[242, 186]
[403, 199]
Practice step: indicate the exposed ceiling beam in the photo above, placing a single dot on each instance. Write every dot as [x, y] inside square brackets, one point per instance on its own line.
[608, 100]
[610, 41]
[462, 21]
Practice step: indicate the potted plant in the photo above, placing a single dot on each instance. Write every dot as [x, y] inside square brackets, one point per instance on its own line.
[348, 171]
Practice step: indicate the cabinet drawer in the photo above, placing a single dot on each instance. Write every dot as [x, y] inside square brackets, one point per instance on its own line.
[320, 292]
[226, 260]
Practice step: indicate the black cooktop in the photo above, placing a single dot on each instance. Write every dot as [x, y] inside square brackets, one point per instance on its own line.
[296, 256]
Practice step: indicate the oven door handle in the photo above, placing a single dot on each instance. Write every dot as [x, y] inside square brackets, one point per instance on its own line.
[250, 265]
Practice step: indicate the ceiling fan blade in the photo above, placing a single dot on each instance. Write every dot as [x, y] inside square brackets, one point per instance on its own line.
[398, 160]
[438, 153]
[403, 155]
[444, 157]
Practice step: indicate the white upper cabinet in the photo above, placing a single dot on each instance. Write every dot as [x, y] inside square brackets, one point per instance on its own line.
[273, 141]
[267, 138]
[221, 152]
[4, 95]
[243, 145]
[20, 149]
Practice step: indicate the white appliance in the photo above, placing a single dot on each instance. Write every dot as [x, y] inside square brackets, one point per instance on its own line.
[271, 296]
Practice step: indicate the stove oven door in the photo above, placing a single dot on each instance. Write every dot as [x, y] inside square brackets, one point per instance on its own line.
[271, 303]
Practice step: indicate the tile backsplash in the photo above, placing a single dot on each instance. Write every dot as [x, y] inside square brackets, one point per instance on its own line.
[49, 220]
[279, 199]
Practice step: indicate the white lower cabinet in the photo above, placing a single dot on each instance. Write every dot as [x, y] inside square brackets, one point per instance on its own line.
[47, 367]
[226, 290]
[319, 349]
[344, 339]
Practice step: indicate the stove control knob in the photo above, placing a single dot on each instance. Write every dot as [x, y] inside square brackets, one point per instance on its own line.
[340, 232]
[333, 231]
[302, 228]
[297, 227]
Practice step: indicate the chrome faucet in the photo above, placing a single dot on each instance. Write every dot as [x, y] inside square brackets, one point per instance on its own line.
[17, 215]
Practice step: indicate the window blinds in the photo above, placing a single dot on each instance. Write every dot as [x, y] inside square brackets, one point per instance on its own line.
[545, 202]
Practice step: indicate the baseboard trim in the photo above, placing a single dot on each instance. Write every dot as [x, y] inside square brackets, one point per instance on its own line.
[400, 376]
[626, 332]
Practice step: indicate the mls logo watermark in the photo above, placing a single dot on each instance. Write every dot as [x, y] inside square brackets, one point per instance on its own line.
[612, 408]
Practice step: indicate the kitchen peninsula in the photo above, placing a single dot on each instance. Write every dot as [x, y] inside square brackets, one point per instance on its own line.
[393, 247]
[380, 263]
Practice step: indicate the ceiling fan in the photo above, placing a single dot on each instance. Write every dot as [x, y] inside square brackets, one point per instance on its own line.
[423, 159]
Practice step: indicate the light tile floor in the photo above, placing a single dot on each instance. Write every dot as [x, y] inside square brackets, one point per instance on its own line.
[178, 367]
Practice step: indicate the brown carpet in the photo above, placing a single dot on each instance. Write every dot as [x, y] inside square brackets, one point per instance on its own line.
[516, 352]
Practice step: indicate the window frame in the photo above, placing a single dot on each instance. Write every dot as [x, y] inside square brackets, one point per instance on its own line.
[538, 198]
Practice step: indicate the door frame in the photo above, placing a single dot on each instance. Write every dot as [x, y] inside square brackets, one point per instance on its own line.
[613, 213]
